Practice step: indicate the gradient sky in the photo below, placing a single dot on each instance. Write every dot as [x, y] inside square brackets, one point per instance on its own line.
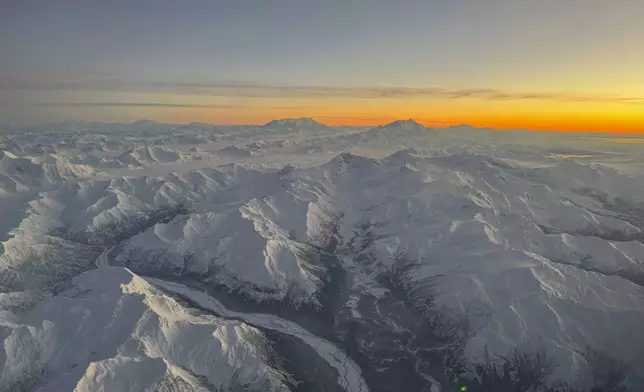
[539, 64]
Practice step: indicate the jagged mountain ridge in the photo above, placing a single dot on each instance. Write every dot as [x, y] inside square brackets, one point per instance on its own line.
[547, 254]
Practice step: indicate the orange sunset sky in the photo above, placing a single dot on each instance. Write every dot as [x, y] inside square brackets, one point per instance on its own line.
[574, 65]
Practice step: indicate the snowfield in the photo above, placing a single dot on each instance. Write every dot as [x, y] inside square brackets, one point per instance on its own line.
[295, 256]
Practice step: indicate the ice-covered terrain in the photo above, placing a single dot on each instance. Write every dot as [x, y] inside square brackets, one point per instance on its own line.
[296, 256]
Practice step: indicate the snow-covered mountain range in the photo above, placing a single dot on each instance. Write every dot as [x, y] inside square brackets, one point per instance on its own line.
[299, 257]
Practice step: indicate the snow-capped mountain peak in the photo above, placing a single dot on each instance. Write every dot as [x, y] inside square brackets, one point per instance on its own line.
[302, 123]
[408, 124]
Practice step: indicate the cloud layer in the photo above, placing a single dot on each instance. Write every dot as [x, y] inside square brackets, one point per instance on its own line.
[106, 83]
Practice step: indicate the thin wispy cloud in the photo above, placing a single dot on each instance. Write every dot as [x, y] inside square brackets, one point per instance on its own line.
[98, 82]
[131, 104]
[169, 105]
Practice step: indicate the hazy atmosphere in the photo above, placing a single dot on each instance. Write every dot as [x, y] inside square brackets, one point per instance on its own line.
[562, 65]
